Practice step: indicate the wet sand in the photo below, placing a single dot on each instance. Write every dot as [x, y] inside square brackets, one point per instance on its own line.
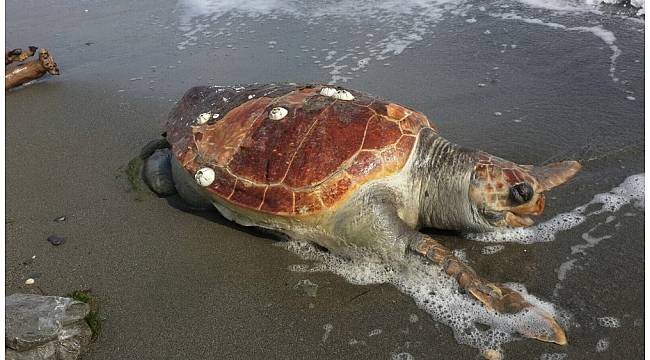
[174, 284]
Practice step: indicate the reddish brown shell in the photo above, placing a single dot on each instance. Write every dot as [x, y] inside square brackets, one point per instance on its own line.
[308, 161]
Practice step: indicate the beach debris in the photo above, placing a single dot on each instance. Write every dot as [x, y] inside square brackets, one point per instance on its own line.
[60, 219]
[24, 72]
[498, 113]
[30, 281]
[204, 177]
[306, 287]
[45, 327]
[55, 240]
[19, 54]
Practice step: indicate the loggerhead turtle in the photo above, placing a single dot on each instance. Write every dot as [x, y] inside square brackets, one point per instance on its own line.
[343, 169]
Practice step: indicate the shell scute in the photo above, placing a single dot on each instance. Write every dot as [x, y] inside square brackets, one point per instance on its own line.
[247, 194]
[332, 190]
[278, 199]
[307, 202]
[381, 132]
[397, 112]
[222, 140]
[224, 182]
[364, 165]
[335, 139]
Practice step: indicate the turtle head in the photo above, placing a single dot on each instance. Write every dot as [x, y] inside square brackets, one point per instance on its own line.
[506, 194]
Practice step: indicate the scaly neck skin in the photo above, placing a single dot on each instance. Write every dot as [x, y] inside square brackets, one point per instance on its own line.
[442, 172]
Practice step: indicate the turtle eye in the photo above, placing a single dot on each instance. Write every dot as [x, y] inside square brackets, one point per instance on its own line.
[521, 193]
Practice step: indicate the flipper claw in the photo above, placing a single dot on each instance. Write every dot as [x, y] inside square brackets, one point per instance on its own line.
[507, 301]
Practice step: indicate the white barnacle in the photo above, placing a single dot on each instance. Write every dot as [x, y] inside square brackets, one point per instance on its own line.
[278, 113]
[205, 176]
[251, 96]
[343, 95]
[326, 91]
[203, 118]
[215, 116]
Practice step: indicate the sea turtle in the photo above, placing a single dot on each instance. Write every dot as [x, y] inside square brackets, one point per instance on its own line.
[344, 169]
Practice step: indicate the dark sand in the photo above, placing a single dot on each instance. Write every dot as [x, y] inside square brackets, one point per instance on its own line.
[179, 285]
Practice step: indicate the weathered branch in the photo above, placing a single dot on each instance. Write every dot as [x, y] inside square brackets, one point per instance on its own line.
[19, 54]
[31, 70]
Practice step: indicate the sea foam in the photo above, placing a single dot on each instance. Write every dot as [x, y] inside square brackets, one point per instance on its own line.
[434, 292]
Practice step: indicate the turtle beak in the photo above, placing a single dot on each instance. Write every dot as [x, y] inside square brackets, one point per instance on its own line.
[519, 216]
[552, 175]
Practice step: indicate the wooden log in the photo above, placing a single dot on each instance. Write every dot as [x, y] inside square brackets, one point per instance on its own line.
[31, 70]
[19, 54]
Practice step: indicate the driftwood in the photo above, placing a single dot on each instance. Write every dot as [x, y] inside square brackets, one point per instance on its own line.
[19, 54]
[27, 71]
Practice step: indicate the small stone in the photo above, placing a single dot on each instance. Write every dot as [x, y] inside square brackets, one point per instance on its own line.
[30, 281]
[481, 85]
[60, 219]
[34, 275]
[497, 113]
[631, 98]
[56, 240]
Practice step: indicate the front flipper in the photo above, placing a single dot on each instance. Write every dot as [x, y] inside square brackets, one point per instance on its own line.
[495, 296]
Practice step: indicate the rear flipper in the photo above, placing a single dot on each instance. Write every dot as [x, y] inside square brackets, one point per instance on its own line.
[157, 173]
[165, 176]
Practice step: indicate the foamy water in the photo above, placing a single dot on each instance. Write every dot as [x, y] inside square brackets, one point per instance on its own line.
[356, 35]
[434, 292]
[581, 5]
